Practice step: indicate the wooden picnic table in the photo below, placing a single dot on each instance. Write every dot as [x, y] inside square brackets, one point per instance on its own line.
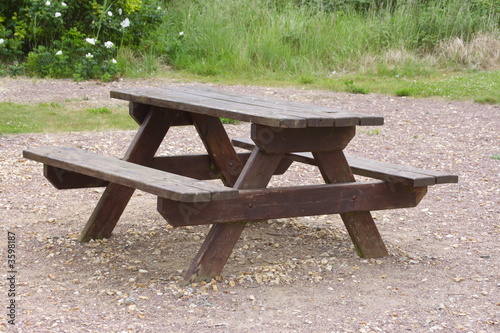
[282, 132]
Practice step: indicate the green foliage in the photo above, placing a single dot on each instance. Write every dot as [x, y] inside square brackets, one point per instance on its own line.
[83, 58]
[354, 89]
[80, 32]
[404, 92]
[496, 157]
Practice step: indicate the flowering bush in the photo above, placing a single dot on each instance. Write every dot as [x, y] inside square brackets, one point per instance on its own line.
[74, 38]
[93, 58]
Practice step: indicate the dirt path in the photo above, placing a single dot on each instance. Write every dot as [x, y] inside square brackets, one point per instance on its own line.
[290, 275]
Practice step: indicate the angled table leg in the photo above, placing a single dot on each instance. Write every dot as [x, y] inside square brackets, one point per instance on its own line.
[360, 225]
[222, 238]
[116, 197]
[219, 147]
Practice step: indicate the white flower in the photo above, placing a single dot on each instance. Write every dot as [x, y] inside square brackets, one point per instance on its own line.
[114, 61]
[63, 4]
[2, 40]
[59, 52]
[110, 13]
[181, 33]
[109, 44]
[47, 3]
[125, 23]
[89, 55]
[57, 14]
[90, 40]
[120, 11]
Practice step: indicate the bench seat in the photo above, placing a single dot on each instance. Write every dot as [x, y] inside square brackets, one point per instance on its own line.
[393, 173]
[163, 184]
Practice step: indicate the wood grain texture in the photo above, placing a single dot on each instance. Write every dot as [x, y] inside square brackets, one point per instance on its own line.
[390, 172]
[128, 174]
[274, 203]
[287, 140]
[245, 107]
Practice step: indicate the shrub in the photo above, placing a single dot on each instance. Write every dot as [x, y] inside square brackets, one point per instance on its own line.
[76, 39]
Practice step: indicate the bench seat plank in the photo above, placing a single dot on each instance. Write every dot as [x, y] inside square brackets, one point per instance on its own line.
[374, 169]
[162, 184]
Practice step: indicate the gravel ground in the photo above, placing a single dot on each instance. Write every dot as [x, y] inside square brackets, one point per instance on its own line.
[288, 275]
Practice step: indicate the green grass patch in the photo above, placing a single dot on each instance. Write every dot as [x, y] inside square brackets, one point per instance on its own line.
[99, 111]
[54, 117]
[496, 157]
[480, 86]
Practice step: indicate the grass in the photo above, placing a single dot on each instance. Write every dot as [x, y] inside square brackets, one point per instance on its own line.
[55, 117]
[262, 38]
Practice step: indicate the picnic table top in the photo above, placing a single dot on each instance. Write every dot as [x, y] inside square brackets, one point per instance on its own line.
[245, 107]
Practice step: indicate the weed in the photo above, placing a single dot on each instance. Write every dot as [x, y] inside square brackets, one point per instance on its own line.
[228, 121]
[99, 111]
[306, 80]
[373, 132]
[404, 92]
[496, 157]
[354, 89]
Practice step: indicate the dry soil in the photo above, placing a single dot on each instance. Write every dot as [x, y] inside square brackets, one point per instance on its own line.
[288, 275]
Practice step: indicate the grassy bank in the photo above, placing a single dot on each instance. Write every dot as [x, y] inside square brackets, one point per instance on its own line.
[239, 38]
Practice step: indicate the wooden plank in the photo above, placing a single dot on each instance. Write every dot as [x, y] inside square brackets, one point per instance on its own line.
[217, 247]
[193, 166]
[287, 140]
[360, 225]
[201, 166]
[374, 169]
[212, 102]
[198, 166]
[170, 98]
[395, 172]
[273, 203]
[317, 116]
[128, 174]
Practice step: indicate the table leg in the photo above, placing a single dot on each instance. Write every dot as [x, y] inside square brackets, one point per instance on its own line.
[116, 197]
[219, 147]
[222, 238]
[360, 225]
